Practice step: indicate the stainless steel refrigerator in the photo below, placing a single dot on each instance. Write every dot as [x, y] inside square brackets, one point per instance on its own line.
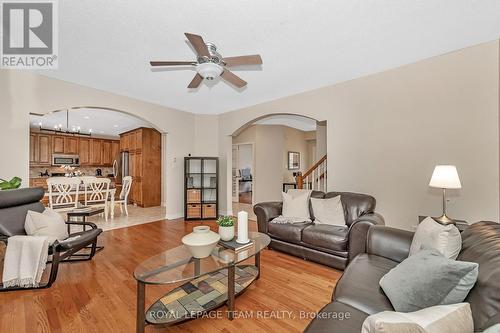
[120, 166]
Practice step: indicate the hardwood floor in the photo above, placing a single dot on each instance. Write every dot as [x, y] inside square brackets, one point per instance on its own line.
[100, 295]
[245, 197]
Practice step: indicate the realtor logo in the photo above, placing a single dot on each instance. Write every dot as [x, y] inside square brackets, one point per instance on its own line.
[29, 34]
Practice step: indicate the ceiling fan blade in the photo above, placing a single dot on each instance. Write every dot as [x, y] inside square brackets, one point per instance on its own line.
[198, 44]
[195, 82]
[253, 59]
[172, 63]
[233, 79]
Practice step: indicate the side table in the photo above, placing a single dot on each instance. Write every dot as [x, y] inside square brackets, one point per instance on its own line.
[84, 215]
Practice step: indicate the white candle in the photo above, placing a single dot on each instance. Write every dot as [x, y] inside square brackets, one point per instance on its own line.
[242, 228]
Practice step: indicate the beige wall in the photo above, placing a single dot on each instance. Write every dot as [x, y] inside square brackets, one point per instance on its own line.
[294, 140]
[23, 92]
[387, 131]
[271, 146]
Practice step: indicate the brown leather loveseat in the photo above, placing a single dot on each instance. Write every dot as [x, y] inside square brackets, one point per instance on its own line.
[329, 245]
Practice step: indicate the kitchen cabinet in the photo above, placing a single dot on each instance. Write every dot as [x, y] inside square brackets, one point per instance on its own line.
[115, 150]
[92, 151]
[106, 153]
[44, 152]
[33, 148]
[144, 148]
[40, 149]
[70, 145]
[96, 152]
[84, 151]
[124, 142]
[58, 144]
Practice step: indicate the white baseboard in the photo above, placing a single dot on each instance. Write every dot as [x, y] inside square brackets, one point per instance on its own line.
[174, 216]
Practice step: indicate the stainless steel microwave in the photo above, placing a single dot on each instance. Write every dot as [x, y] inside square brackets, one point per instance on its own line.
[59, 159]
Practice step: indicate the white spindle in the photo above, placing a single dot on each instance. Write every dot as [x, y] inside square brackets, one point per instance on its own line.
[324, 178]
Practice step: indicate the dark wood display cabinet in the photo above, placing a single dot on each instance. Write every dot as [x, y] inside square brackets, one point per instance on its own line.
[201, 184]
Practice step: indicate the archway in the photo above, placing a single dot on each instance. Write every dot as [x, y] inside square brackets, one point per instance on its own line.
[104, 124]
[280, 148]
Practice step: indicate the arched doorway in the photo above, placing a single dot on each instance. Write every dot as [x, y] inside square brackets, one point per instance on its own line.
[96, 136]
[268, 153]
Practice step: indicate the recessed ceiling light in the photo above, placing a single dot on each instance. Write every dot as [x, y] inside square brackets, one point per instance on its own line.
[86, 117]
[115, 126]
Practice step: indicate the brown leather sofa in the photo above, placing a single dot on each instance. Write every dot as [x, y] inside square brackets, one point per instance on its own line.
[329, 245]
[358, 293]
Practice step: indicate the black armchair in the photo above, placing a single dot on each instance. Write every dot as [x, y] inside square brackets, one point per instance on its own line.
[14, 204]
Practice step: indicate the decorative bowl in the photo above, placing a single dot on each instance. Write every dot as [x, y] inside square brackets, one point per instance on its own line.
[201, 241]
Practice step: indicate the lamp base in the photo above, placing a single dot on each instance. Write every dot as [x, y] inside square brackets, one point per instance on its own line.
[444, 220]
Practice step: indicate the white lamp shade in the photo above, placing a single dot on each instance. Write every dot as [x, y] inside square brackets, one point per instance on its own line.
[445, 176]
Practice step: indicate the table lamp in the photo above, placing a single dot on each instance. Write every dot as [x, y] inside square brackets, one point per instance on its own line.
[445, 177]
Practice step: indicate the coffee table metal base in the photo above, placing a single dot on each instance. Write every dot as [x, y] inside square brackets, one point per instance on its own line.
[197, 297]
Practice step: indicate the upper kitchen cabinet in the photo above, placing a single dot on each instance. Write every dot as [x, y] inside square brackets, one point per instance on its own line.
[58, 144]
[71, 145]
[96, 152]
[115, 150]
[40, 149]
[107, 159]
[84, 151]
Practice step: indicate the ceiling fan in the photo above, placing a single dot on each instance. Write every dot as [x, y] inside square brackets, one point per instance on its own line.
[210, 64]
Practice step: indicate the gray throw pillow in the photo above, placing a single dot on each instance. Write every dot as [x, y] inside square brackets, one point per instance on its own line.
[427, 279]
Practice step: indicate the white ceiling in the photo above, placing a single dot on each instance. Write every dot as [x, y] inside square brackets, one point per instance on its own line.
[106, 124]
[304, 44]
[297, 122]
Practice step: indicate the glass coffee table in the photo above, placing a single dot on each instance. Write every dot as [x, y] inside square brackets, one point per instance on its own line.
[208, 283]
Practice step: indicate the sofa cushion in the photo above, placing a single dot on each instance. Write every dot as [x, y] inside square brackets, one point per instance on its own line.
[433, 235]
[359, 285]
[481, 244]
[355, 204]
[328, 211]
[426, 279]
[456, 318]
[287, 231]
[326, 236]
[327, 322]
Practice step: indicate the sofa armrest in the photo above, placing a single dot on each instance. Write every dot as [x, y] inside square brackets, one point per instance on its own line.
[390, 243]
[265, 212]
[358, 231]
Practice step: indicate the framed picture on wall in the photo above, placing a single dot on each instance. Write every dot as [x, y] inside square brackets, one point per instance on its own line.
[293, 160]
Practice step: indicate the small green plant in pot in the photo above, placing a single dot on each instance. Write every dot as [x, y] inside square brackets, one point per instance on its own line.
[10, 184]
[226, 227]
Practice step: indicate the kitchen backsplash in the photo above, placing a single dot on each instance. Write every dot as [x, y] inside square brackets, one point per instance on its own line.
[87, 171]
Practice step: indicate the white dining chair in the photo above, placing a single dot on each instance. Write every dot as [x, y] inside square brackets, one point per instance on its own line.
[63, 193]
[96, 193]
[123, 199]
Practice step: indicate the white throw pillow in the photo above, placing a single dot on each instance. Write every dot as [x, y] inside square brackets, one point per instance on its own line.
[49, 223]
[432, 235]
[296, 205]
[328, 211]
[453, 318]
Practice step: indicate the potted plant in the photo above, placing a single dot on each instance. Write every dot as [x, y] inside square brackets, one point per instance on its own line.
[226, 227]
[10, 184]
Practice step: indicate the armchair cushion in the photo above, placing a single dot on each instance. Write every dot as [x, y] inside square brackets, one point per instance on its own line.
[331, 237]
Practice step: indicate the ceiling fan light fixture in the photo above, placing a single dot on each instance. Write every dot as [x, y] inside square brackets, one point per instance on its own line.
[209, 70]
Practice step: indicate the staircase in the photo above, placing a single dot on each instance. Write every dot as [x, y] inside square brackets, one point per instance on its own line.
[315, 178]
